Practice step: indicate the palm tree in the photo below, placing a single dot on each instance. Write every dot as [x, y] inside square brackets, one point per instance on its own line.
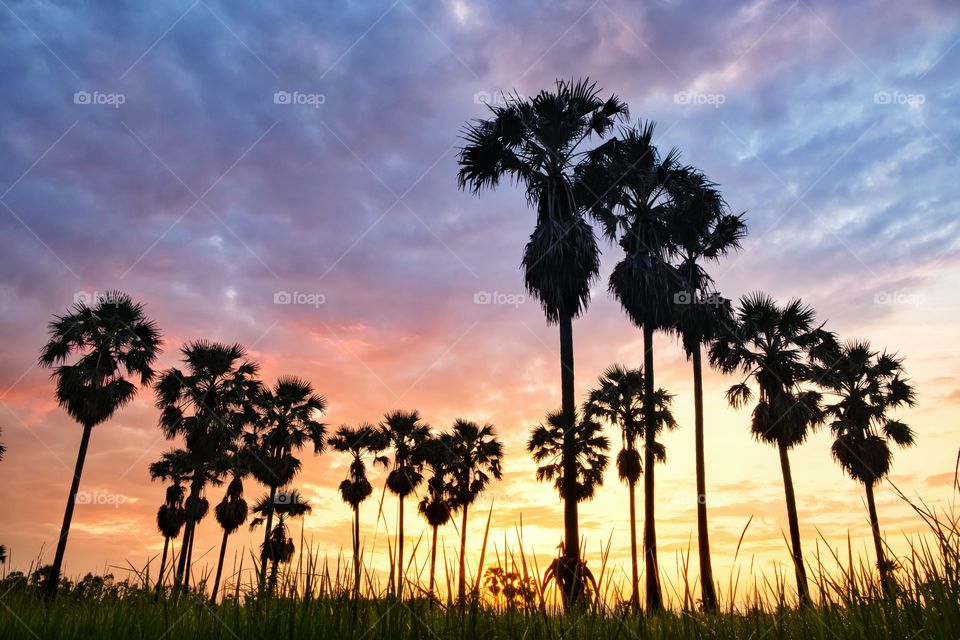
[278, 546]
[866, 385]
[619, 400]
[477, 458]
[173, 466]
[3, 549]
[771, 346]
[638, 213]
[360, 442]
[703, 230]
[406, 435]
[209, 404]
[547, 444]
[231, 512]
[286, 423]
[113, 345]
[436, 506]
[538, 142]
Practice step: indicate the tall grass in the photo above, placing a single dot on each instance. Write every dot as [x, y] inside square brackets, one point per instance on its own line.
[315, 599]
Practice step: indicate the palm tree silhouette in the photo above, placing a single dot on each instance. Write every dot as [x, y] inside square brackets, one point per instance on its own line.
[866, 385]
[406, 435]
[436, 506]
[286, 423]
[231, 512]
[547, 444]
[619, 400]
[703, 230]
[209, 404]
[278, 546]
[173, 466]
[360, 442]
[771, 345]
[113, 345]
[3, 549]
[477, 458]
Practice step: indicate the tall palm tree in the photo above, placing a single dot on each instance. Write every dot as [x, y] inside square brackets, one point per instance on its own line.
[209, 404]
[638, 215]
[771, 345]
[619, 400]
[866, 386]
[703, 230]
[232, 511]
[546, 445]
[477, 459]
[3, 549]
[279, 544]
[286, 423]
[113, 346]
[436, 506]
[360, 442]
[406, 434]
[540, 142]
[173, 466]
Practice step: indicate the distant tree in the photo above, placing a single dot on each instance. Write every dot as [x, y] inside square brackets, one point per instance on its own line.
[232, 511]
[113, 346]
[279, 544]
[175, 467]
[436, 506]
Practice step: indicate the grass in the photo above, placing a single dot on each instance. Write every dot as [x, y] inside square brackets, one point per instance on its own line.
[849, 604]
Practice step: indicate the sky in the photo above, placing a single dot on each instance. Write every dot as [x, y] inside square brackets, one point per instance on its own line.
[217, 159]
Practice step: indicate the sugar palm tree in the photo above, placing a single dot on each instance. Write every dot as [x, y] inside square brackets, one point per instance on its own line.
[771, 345]
[619, 400]
[360, 443]
[3, 549]
[279, 544]
[546, 445]
[112, 345]
[286, 423]
[232, 511]
[208, 404]
[173, 466]
[540, 142]
[436, 506]
[406, 434]
[477, 459]
[702, 230]
[865, 386]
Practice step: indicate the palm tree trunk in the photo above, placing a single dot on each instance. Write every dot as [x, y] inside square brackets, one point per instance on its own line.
[187, 531]
[803, 591]
[433, 562]
[877, 542]
[462, 588]
[189, 567]
[571, 523]
[266, 538]
[216, 581]
[356, 550]
[163, 564]
[273, 575]
[400, 550]
[654, 596]
[634, 564]
[53, 580]
[708, 591]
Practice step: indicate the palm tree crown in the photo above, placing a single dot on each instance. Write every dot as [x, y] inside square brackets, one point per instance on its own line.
[545, 445]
